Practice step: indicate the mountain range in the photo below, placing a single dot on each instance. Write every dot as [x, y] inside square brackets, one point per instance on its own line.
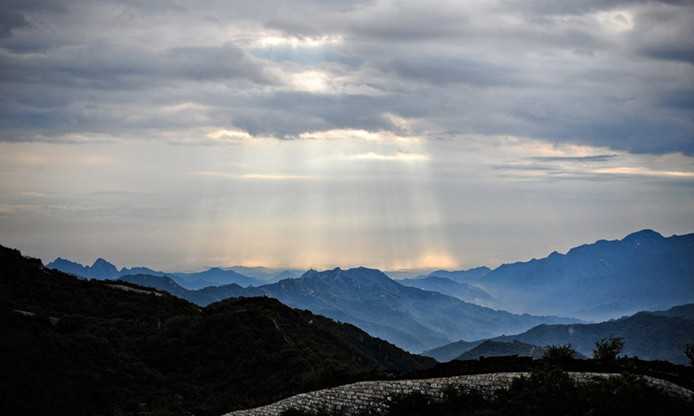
[214, 276]
[660, 335]
[594, 282]
[87, 347]
[409, 317]
[602, 280]
[203, 297]
[460, 290]
[267, 274]
[469, 276]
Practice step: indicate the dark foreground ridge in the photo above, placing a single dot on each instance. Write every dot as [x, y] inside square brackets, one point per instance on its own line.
[85, 347]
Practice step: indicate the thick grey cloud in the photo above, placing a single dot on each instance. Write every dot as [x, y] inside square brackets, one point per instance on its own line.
[579, 159]
[615, 74]
[10, 20]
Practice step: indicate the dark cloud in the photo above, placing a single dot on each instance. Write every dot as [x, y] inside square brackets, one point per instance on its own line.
[525, 167]
[682, 53]
[540, 69]
[578, 159]
[581, 6]
[681, 100]
[9, 21]
[111, 66]
[441, 70]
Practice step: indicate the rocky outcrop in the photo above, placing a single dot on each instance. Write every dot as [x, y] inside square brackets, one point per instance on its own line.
[376, 396]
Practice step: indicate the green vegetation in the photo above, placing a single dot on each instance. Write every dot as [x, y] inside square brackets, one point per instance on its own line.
[607, 349]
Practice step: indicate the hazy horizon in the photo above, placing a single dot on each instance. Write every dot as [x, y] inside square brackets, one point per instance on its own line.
[397, 274]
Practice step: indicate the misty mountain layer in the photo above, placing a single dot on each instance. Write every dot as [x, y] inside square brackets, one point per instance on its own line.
[606, 279]
[411, 318]
[660, 335]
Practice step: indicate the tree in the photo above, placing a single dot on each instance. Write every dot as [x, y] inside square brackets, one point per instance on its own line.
[689, 352]
[559, 353]
[607, 349]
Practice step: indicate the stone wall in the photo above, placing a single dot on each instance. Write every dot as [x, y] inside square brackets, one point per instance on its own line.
[375, 396]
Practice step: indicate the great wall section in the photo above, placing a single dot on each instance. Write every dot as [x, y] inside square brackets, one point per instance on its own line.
[375, 396]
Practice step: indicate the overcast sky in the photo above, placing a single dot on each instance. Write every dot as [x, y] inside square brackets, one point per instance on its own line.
[313, 133]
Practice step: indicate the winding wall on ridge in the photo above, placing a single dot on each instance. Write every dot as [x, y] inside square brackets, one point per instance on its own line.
[376, 395]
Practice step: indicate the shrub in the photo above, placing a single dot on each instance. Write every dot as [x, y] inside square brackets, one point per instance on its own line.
[607, 349]
[559, 353]
[549, 390]
[689, 352]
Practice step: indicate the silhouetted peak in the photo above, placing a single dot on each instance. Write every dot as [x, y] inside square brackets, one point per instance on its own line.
[364, 274]
[644, 235]
[101, 263]
[11, 255]
[103, 269]
[356, 274]
[61, 261]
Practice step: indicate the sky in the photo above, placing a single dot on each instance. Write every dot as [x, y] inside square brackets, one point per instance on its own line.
[320, 133]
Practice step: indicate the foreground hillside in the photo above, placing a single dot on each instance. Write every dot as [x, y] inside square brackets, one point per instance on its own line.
[543, 391]
[660, 335]
[409, 317]
[81, 347]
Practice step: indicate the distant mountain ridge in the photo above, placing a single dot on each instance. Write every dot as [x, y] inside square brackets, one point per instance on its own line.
[605, 279]
[100, 269]
[449, 352]
[469, 276]
[104, 270]
[659, 335]
[491, 348]
[267, 274]
[203, 297]
[412, 318]
[460, 290]
[214, 276]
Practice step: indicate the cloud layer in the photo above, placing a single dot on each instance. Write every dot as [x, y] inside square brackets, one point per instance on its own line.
[313, 132]
[616, 74]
